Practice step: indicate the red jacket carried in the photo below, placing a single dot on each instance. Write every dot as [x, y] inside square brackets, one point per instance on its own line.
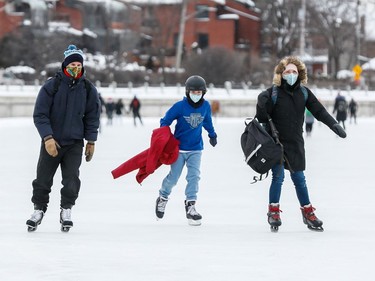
[164, 149]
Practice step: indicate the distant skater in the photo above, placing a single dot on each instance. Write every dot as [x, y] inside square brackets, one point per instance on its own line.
[135, 106]
[353, 107]
[340, 107]
[119, 107]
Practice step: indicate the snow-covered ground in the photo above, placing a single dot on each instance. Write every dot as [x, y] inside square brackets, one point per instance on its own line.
[116, 236]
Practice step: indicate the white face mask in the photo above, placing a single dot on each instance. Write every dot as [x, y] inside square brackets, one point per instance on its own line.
[195, 98]
[290, 78]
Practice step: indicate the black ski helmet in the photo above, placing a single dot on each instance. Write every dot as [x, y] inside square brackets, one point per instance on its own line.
[195, 83]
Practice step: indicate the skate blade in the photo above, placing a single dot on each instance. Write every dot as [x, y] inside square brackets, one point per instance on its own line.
[274, 229]
[66, 228]
[194, 222]
[31, 228]
[316, 229]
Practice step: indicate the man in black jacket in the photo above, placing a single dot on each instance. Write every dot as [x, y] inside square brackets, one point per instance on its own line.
[66, 112]
[285, 103]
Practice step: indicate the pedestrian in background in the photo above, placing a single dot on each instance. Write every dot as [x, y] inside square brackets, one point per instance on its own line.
[119, 107]
[135, 107]
[109, 109]
[66, 113]
[341, 109]
[353, 107]
[215, 108]
[102, 110]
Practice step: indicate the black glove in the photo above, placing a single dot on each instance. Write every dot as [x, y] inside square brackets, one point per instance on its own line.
[213, 141]
[339, 130]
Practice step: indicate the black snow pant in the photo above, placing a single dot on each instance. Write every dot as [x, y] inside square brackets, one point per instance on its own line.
[135, 116]
[69, 159]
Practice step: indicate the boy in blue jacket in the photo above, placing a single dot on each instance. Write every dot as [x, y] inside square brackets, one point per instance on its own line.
[191, 113]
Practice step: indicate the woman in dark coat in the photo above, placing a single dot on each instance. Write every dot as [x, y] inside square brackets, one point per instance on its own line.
[287, 111]
[341, 108]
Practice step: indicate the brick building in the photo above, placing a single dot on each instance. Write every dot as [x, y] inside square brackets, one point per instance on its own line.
[232, 24]
[10, 19]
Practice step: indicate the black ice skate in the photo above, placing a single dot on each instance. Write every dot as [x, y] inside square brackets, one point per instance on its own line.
[35, 220]
[161, 202]
[274, 216]
[194, 218]
[309, 218]
[66, 219]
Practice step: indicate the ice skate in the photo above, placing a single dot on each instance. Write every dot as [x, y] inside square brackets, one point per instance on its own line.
[310, 219]
[66, 219]
[194, 218]
[274, 216]
[161, 203]
[35, 220]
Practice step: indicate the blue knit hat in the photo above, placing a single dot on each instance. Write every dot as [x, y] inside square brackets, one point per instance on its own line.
[71, 54]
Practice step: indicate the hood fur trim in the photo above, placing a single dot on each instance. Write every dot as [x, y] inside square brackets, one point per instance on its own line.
[279, 69]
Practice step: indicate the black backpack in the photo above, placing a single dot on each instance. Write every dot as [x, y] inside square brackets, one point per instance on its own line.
[261, 150]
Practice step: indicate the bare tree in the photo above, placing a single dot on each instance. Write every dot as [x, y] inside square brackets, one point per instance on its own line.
[216, 65]
[280, 30]
[335, 21]
[34, 48]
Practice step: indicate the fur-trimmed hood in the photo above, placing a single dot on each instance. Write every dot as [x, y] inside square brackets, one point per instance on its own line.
[279, 69]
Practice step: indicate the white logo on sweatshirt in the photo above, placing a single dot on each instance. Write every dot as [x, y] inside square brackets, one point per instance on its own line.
[194, 119]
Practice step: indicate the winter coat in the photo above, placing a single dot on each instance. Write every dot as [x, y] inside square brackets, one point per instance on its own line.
[69, 115]
[119, 107]
[190, 121]
[288, 116]
[341, 108]
[135, 105]
[353, 107]
[163, 150]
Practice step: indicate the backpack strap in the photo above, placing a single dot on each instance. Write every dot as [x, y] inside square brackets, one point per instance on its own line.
[56, 84]
[275, 93]
[260, 177]
[305, 93]
[87, 86]
[57, 81]
[275, 135]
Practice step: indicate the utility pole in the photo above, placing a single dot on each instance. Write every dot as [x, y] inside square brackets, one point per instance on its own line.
[302, 16]
[181, 34]
[358, 33]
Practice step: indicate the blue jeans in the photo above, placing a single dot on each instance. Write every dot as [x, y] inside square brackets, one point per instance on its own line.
[192, 159]
[298, 179]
